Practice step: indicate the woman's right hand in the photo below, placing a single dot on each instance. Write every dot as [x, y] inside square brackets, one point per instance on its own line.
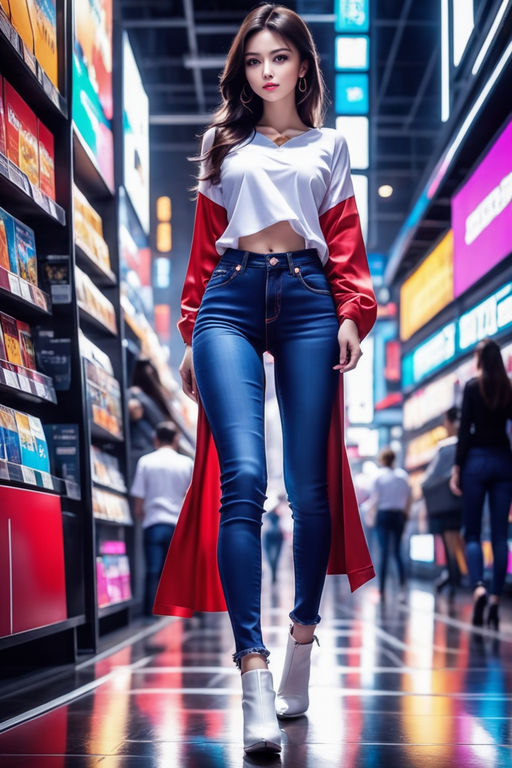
[188, 378]
[455, 481]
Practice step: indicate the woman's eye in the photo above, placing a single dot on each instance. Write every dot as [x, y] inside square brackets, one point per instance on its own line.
[281, 57]
[250, 62]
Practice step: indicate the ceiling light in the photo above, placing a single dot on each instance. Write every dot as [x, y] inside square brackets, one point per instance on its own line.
[385, 190]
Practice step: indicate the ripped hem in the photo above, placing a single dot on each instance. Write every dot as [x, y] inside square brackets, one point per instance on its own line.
[294, 618]
[237, 657]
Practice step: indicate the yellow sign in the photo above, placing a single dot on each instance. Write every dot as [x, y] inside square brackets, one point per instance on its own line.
[428, 289]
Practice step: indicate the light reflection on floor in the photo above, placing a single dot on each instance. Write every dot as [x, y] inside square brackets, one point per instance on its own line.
[396, 685]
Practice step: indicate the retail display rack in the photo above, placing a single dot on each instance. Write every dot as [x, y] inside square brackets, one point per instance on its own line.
[67, 550]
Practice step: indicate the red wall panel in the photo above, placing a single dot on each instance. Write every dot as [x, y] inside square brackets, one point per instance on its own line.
[38, 576]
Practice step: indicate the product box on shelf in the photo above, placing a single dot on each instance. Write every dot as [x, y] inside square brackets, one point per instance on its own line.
[10, 437]
[106, 470]
[3, 138]
[11, 339]
[89, 230]
[91, 299]
[27, 346]
[63, 445]
[41, 459]
[57, 274]
[21, 130]
[43, 14]
[46, 160]
[25, 246]
[53, 357]
[27, 440]
[3, 351]
[8, 259]
[109, 506]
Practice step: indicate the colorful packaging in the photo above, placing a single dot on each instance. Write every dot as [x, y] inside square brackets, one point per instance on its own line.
[46, 160]
[21, 131]
[42, 459]
[25, 246]
[10, 436]
[19, 15]
[28, 353]
[27, 440]
[3, 352]
[7, 249]
[11, 340]
[43, 14]
[3, 138]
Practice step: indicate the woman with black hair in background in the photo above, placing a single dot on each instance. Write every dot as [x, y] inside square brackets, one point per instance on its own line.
[483, 465]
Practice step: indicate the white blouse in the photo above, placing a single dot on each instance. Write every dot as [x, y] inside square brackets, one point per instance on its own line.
[262, 183]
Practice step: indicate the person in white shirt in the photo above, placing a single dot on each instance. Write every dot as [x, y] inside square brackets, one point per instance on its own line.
[161, 481]
[392, 497]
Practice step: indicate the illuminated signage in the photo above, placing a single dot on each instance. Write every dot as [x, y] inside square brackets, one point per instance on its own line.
[482, 216]
[352, 15]
[352, 52]
[486, 319]
[429, 402]
[355, 131]
[359, 387]
[428, 289]
[421, 450]
[351, 94]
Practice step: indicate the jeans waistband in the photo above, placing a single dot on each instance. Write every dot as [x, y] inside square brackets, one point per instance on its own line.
[285, 260]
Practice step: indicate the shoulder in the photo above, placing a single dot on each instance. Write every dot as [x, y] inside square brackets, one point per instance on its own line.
[401, 474]
[208, 139]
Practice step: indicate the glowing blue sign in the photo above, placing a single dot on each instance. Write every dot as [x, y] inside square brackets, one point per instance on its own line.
[351, 94]
[352, 15]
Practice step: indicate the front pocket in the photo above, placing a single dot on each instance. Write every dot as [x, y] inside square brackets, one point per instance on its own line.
[223, 275]
[309, 280]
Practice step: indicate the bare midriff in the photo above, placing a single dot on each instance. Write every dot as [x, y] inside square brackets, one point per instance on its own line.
[278, 238]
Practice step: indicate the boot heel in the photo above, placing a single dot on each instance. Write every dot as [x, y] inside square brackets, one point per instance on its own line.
[292, 696]
[261, 727]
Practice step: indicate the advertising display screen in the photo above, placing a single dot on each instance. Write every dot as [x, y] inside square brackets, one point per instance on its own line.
[136, 136]
[92, 82]
[428, 289]
[482, 216]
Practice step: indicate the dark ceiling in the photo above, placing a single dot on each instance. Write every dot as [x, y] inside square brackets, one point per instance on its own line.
[180, 46]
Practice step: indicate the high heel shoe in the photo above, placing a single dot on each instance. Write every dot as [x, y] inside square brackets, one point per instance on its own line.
[493, 619]
[478, 610]
[261, 727]
[292, 695]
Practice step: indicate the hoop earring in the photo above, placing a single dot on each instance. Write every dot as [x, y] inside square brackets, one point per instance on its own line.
[245, 101]
[303, 86]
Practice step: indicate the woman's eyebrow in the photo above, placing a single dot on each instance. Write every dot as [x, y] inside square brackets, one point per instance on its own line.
[252, 53]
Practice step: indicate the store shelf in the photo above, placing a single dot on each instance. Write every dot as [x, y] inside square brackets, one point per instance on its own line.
[109, 488]
[94, 323]
[34, 479]
[19, 381]
[102, 435]
[26, 301]
[108, 610]
[101, 277]
[86, 173]
[23, 199]
[24, 72]
[34, 634]
[114, 523]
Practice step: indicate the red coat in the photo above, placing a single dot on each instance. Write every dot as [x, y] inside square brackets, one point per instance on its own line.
[190, 579]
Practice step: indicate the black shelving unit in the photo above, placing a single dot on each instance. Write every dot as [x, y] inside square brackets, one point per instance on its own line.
[83, 533]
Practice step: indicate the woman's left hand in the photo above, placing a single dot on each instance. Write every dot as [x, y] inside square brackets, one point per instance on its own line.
[350, 347]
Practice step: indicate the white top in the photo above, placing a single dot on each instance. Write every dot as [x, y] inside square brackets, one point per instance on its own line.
[161, 479]
[391, 489]
[262, 184]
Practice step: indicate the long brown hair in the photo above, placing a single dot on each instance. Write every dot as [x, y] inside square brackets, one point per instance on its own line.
[494, 383]
[233, 121]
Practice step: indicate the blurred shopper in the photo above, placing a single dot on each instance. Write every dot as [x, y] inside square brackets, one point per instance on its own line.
[391, 497]
[292, 279]
[483, 466]
[273, 535]
[148, 405]
[444, 509]
[161, 480]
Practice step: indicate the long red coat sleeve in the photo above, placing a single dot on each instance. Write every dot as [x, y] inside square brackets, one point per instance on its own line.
[190, 579]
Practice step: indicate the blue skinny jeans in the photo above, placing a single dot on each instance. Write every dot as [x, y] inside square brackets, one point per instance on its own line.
[280, 302]
[487, 471]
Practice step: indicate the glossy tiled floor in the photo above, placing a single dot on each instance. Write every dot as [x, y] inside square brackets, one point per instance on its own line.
[405, 684]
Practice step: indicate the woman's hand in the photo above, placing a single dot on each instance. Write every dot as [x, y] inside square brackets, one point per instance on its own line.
[188, 378]
[350, 347]
[455, 481]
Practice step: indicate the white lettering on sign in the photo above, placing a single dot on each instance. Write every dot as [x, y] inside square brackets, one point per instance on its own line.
[435, 352]
[490, 207]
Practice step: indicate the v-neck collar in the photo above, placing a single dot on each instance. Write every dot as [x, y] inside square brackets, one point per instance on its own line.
[285, 143]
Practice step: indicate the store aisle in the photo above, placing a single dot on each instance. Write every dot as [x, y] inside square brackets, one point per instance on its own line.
[395, 686]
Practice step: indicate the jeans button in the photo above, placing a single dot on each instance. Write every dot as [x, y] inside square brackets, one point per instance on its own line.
[273, 261]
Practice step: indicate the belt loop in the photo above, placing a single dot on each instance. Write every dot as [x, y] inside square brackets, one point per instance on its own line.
[289, 258]
[245, 259]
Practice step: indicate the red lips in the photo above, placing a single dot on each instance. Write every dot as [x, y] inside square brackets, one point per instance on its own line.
[271, 86]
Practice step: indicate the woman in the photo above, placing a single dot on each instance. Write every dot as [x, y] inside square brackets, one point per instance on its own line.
[443, 508]
[277, 263]
[483, 465]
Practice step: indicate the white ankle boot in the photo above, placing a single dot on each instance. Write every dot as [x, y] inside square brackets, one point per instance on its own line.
[292, 697]
[261, 727]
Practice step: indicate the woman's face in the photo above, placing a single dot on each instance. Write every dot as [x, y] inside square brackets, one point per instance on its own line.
[272, 65]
